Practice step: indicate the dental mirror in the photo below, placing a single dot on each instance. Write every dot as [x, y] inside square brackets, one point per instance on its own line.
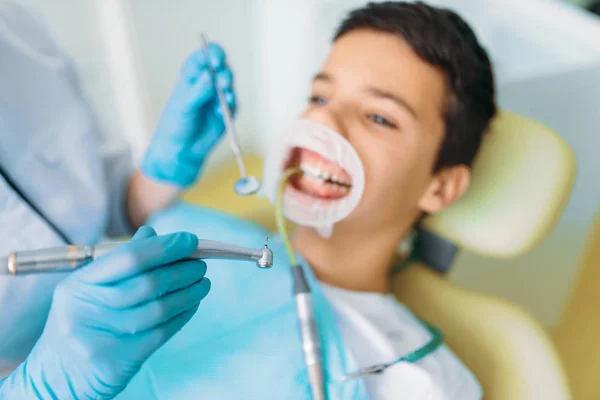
[246, 185]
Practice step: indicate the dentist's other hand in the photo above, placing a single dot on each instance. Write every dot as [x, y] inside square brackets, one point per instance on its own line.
[191, 123]
[107, 318]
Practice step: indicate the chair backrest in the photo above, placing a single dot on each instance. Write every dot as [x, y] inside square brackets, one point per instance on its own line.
[522, 179]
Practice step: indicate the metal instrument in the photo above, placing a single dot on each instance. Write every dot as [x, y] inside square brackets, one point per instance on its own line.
[67, 258]
[307, 320]
[309, 333]
[246, 185]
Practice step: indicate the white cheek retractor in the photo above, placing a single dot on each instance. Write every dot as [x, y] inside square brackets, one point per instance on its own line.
[302, 208]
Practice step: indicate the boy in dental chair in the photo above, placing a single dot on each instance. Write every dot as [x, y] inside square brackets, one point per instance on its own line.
[395, 118]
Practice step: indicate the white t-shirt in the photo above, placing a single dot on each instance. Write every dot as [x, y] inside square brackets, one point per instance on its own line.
[378, 329]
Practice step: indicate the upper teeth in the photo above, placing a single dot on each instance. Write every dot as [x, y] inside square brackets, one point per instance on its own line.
[314, 171]
[317, 173]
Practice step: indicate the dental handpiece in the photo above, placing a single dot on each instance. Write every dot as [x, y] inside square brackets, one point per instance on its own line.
[309, 333]
[68, 258]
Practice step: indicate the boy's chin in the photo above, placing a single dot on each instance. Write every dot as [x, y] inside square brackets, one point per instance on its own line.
[377, 219]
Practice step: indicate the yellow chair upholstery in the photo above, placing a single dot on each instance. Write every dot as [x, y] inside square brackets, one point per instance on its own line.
[577, 335]
[522, 179]
[509, 353]
[215, 190]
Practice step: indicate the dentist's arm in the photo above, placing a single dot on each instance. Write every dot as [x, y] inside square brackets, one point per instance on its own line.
[107, 318]
[190, 126]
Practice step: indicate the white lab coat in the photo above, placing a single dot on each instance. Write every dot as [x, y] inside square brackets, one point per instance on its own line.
[49, 146]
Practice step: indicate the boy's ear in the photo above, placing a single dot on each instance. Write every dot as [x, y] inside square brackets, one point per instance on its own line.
[447, 186]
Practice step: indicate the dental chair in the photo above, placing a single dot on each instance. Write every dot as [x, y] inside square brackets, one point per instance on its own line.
[522, 179]
[577, 335]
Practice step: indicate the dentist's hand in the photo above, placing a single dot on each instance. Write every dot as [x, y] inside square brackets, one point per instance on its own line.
[107, 318]
[191, 123]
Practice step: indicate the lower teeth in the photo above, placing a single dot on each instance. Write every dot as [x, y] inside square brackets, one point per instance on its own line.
[338, 183]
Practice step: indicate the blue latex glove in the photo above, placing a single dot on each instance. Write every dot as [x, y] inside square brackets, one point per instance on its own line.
[107, 318]
[191, 123]
[243, 343]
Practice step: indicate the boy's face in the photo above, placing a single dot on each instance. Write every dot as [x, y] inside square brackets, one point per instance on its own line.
[388, 103]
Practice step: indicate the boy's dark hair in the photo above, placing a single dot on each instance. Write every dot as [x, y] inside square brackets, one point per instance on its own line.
[594, 7]
[441, 38]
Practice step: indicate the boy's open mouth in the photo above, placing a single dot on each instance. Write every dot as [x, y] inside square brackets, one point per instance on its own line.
[321, 177]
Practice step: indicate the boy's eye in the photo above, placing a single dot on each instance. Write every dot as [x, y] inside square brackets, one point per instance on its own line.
[318, 100]
[378, 119]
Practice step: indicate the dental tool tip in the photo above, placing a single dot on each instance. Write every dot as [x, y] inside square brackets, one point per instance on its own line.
[203, 39]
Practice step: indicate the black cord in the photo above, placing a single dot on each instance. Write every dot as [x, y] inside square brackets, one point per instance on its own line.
[43, 216]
